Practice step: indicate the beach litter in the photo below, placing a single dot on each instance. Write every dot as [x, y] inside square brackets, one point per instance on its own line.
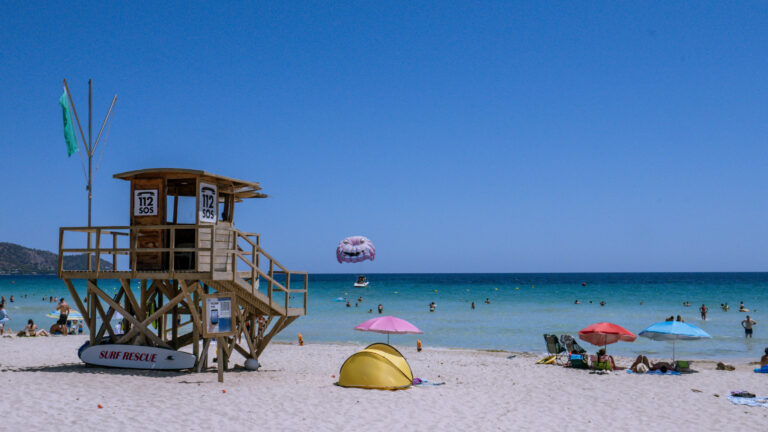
[421, 382]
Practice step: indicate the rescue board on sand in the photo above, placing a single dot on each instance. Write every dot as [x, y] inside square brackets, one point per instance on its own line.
[136, 357]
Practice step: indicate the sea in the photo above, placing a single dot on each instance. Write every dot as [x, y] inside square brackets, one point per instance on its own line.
[512, 311]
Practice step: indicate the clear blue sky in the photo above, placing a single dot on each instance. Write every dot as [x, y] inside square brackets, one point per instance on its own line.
[460, 137]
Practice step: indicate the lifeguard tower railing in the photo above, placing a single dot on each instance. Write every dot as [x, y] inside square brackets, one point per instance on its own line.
[227, 255]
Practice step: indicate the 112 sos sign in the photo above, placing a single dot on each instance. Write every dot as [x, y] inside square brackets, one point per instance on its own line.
[208, 203]
[145, 202]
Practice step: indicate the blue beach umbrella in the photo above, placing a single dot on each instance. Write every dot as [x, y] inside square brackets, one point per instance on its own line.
[674, 331]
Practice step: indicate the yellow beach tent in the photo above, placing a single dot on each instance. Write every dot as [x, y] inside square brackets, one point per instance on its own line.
[378, 366]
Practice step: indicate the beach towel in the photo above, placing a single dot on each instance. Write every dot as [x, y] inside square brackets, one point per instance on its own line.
[754, 402]
[656, 372]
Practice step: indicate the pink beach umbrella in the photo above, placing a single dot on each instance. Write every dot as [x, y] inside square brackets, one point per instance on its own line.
[388, 325]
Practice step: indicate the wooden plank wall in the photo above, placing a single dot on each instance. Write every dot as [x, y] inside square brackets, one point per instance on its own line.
[225, 240]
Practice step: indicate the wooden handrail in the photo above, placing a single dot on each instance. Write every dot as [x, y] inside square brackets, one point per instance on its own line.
[248, 255]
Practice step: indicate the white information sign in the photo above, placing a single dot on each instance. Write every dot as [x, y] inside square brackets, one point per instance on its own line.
[145, 202]
[218, 315]
[208, 203]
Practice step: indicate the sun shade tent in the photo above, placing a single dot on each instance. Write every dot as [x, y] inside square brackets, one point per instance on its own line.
[379, 366]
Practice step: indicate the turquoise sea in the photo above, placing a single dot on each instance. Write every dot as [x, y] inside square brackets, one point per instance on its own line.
[522, 307]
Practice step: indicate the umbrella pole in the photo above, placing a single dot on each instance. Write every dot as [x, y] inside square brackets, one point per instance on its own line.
[387, 338]
[673, 351]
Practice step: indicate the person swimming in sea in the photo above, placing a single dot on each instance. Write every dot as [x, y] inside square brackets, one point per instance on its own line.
[686, 303]
[742, 308]
[602, 303]
[577, 302]
[487, 300]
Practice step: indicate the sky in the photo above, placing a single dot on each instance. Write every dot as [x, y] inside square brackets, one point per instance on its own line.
[459, 137]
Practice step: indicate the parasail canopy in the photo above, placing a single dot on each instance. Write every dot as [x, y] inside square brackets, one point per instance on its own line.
[355, 249]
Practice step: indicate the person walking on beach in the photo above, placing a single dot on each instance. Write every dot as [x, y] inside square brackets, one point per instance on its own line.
[747, 324]
[703, 309]
[4, 318]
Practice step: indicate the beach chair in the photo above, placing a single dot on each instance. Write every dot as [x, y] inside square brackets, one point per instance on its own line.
[571, 345]
[556, 349]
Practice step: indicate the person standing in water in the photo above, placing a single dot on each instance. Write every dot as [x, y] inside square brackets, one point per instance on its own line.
[747, 324]
[703, 309]
[473, 305]
[432, 307]
[381, 308]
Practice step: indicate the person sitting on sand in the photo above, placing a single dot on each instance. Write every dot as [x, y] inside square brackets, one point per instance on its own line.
[58, 329]
[764, 359]
[601, 357]
[32, 330]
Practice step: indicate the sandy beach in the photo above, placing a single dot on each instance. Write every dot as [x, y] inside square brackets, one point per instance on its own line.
[44, 384]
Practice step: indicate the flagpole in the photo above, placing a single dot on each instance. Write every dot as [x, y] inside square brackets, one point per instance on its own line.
[90, 153]
[90, 146]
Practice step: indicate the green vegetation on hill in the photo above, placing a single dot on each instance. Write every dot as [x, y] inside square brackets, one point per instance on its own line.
[18, 259]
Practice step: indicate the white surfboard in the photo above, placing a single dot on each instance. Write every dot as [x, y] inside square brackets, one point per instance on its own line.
[136, 357]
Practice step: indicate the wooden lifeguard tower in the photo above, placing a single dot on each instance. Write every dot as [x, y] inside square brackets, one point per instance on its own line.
[180, 248]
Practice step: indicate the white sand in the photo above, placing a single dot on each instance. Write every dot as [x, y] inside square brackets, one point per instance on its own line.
[295, 391]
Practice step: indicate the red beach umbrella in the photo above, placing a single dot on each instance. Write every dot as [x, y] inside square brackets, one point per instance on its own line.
[605, 333]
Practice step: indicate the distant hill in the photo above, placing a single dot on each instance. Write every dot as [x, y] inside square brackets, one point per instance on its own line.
[17, 259]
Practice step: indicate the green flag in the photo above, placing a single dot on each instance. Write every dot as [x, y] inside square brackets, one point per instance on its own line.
[69, 127]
